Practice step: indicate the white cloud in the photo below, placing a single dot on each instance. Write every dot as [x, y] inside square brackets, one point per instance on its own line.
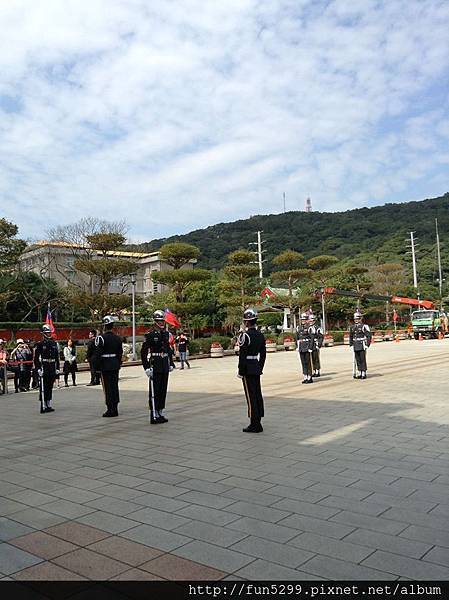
[177, 114]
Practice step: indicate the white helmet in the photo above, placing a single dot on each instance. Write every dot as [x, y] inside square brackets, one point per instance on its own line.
[108, 319]
[249, 315]
[357, 315]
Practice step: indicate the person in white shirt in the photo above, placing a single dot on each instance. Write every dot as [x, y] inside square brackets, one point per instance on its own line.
[70, 364]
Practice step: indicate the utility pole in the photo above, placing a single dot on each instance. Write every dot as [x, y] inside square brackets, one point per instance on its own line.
[259, 252]
[284, 200]
[415, 273]
[440, 272]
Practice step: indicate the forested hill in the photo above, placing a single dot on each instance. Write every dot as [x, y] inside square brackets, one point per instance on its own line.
[370, 234]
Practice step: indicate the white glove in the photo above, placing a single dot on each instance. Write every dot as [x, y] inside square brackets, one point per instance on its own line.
[239, 376]
[57, 372]
[310, 350]
[149, 373]
[40, 372]
[170, 369]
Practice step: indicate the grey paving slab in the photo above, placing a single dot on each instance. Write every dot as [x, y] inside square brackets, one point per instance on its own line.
[306, 508]
[209, 515]
[160, 502]
[248, 484]
[256, 511]
[251, 496]
[107, 522]
[10, 529]
[285, 491]
[319, 526]
[438, 555]
[121, 492]
[84, 483]
[113, 505]
[221, 536]
[213, 556]
[208, 487]
[13, 559]
[363, 507]
[390, 543]
[156, 537]
[269, 531]
[263, 570]
[158, 518]
[406, 567]
[273, 551]
[382, 524]
[320, 544]
[417, 518]
[426, 534]
[9, 507]
[77, 495]
[204, 499]
[335, 569]
[161, 489]
[38, 519]
[65, 508]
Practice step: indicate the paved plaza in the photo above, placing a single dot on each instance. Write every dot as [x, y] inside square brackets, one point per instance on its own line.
[349, 480]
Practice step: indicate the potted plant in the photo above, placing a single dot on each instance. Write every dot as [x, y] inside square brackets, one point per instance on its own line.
[216, 350]
[289, 343]
[270, 345]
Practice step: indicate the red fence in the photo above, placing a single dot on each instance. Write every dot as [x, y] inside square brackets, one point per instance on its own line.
[64, 333]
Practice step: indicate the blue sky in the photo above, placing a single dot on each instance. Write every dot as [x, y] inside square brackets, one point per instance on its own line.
[175, 115]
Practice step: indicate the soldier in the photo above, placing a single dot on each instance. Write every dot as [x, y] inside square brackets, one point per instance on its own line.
[359, 340]
[252, 354]
[318, 337]
[108, 360]
[157, 361]
[305, 340]
[46, 363]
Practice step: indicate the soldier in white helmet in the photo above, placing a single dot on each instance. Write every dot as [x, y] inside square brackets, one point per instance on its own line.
[305, 342]
[108, 360]
[46, 363]
[359, 341]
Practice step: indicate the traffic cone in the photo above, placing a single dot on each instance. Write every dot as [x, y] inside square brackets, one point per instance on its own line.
[441, 336]
[421, 337]
[396, 339]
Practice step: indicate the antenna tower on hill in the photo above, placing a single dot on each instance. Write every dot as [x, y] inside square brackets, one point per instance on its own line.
[308, 205]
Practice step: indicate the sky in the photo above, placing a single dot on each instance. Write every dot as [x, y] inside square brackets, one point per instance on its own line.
[178, 114]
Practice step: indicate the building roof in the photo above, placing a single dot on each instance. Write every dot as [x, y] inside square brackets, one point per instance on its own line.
[56, 244]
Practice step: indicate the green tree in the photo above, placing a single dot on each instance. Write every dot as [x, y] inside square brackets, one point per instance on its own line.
[10, 246]
[239, 285]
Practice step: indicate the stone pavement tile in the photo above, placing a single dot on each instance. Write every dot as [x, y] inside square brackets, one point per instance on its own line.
[158, 518]
[168, 478]
[390, 490]
[122, 469]
[256, 511]
[77, 533]
[412, 502]
[320, 544]
[204, 475]
[426, 475]
[208, 554]
[286, 491]
[124, 550]
[273, 551]
[440, 511]
[161, 502]
[67, 509]
[14, 559]
[300, 483]
[89, 473]
[74, 494]
[16, 477]
[120, 492]
[306, 508]
[427, 535]
[248, 484]
[156, 537]
[10, 529]
[363, 507]
[210, 500]
[47, 571]
[221, 536]
[209, 515]
[438, 555]
[406, 567]
[9, 507]
[43, 545]
[7, 489]
[136, 575]
[107, 522]
[38, 519]
[175, 568]
[208, 487]
[391, 543]
[51, 474]
[30, 498]
[84, 483]
[165, 468]
[380, 524]
[352, 493]
[319, 526]
[44, 485]
[113, 505]
[262, 570]
[263, 529]
[90, 564]
[417, 518]
[161, 489]
[125, 480]
[264, 499]
[337, 570]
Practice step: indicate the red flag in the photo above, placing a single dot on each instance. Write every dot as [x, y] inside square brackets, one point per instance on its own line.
[171, 319]
[49, 322]
[395, 315]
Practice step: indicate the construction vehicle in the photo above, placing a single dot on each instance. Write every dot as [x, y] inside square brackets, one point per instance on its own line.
[428, 323]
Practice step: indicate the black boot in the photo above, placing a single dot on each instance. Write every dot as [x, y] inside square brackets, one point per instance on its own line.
[253, 427]
[154, 420]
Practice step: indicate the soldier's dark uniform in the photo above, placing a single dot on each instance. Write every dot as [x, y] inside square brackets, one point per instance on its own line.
[360, 340]
[252, 355]
[157, 361]
[90, 357]
[108, 360]
[46, 363]
[318, 337]
[305, 342]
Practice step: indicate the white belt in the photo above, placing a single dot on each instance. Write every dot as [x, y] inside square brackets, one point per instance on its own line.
[49, 360]
[108, 355]
[253, 357]
[159, 354]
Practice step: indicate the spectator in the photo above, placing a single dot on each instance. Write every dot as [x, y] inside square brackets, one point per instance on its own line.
[3, 364]
[22, 358]
[182, 343]
[70, 364]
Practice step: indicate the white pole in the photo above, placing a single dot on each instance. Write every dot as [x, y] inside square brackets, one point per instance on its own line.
[440, 273]
[133, 295]
[259, 253]
[323, 311]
